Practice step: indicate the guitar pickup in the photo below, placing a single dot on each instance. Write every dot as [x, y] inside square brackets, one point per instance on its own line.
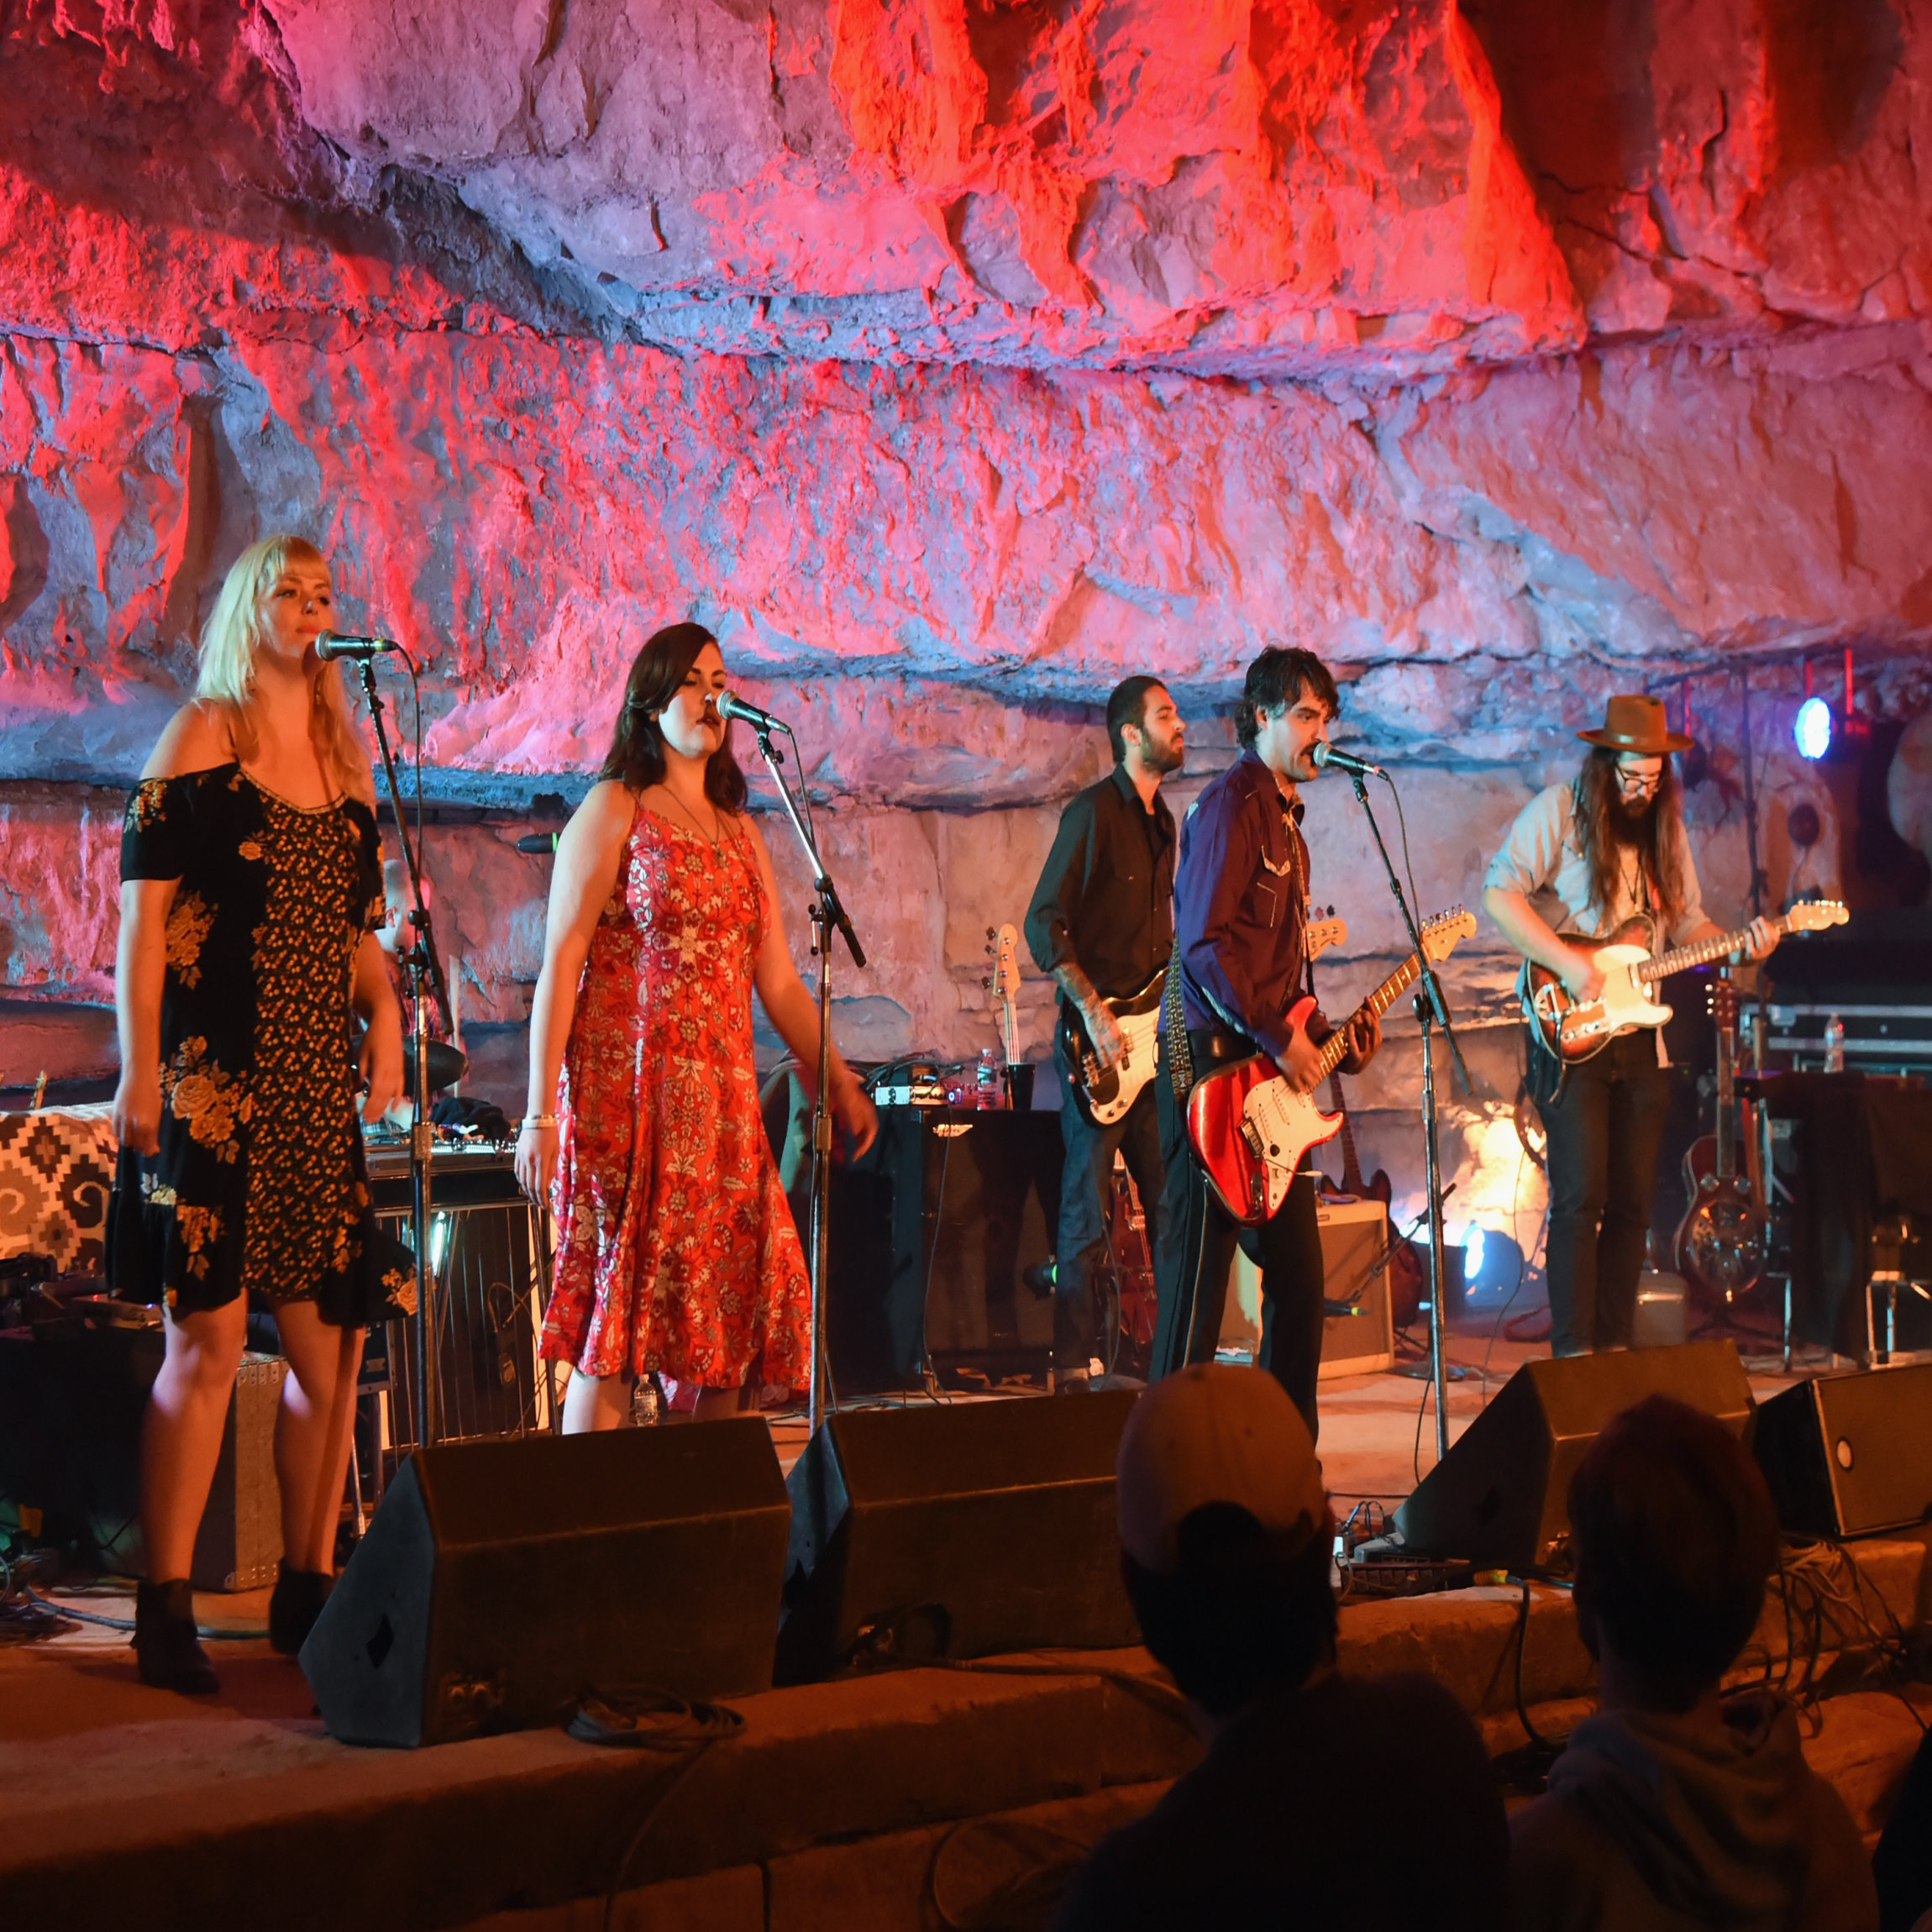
[1251, 1134]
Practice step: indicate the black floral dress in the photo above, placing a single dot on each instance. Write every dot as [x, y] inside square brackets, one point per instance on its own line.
[260, 1184]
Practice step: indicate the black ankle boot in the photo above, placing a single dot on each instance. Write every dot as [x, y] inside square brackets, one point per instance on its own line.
[299, 1596]
[168, 1652]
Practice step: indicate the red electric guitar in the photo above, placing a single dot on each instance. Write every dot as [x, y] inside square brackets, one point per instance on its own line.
[1250, 1129]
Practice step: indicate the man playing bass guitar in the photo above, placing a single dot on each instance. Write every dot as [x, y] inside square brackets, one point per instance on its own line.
[1582, 860]
[1242, 888]
[1102, 923]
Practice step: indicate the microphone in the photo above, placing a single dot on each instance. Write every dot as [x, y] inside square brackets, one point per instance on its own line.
[329, 646]
[538, 842]
[731, 706]
[1327, 755]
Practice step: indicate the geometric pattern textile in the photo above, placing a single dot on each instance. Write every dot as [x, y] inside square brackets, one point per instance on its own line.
[56, 1169]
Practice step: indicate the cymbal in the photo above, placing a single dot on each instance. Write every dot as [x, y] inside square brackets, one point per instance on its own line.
[447, 1065]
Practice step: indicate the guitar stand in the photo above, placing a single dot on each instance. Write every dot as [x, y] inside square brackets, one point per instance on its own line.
[1431, 1011]
[827, 914]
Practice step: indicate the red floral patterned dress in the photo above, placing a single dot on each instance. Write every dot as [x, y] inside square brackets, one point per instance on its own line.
[676, 1252]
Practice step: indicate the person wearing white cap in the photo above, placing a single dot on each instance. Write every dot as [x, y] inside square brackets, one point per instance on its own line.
[1324, 1799]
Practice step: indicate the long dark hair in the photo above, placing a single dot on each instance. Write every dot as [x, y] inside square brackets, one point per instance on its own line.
[1657, 844]
[637, 753]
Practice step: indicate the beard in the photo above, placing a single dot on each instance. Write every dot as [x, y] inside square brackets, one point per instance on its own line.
[1632, 824]
[1165, 755]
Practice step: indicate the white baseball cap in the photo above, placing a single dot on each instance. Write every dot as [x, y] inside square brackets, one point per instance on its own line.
[1215, 1433]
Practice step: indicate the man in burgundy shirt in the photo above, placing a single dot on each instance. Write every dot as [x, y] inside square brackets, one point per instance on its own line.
[1241, 918]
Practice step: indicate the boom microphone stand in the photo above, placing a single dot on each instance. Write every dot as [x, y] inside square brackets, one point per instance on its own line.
[1431, 1011]
[826, 914]
[425, 972]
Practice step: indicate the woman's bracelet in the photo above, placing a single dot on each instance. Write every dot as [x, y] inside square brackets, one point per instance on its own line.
[539, 1120]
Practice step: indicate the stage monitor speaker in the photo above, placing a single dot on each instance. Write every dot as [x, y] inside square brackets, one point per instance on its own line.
[1501, 1496]
[501, 1580]
[967, 1529]
[1845, 1455]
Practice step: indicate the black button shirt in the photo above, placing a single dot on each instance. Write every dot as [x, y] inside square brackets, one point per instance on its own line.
[1105, 900]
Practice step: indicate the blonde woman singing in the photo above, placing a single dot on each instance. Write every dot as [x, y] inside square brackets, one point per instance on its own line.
[250, 885]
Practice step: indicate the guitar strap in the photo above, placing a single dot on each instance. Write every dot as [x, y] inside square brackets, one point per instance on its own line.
[1174, 1025]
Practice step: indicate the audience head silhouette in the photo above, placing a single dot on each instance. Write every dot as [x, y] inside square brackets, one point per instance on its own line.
[1225, 1535]
[1673, 1535]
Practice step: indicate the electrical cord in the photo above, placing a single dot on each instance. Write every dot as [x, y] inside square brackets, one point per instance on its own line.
[638, 1717]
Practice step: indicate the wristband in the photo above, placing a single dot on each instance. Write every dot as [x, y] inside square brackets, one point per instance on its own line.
[539, 1120]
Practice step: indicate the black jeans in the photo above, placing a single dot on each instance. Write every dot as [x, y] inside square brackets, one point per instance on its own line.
[1086, 1202]
[1191, 1270]
[1604, 1125]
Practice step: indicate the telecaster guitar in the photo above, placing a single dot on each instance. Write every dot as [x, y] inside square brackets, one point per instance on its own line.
[1575, 1032]
[1106, 1093]
[1250, 1129]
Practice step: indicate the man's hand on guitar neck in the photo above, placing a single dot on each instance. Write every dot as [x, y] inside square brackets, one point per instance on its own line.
[1104, 1034]
[1364, 1041]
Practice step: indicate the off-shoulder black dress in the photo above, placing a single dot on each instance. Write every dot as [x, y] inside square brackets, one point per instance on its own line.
[260, 1184]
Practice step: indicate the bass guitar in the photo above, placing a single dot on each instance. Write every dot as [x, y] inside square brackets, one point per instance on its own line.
[1250, 1129]
[1574, 1032]
[1720, 1240]
[1105, 1093]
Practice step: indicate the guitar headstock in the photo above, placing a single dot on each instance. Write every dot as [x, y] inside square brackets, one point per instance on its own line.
[1322, 933]
[1724, 1003]
[1003, 949]
[1447, 931]
[1814, 915]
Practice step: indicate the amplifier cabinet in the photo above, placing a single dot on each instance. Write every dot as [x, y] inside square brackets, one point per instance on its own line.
[1354, 1263]
[71, 1409]
[931, 1230]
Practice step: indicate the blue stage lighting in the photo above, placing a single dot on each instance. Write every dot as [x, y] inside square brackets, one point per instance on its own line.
[1811, 730]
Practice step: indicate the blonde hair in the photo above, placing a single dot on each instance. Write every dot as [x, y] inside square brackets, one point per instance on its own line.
[230, 642]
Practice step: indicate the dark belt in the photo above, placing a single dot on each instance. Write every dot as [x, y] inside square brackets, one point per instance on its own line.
[1218, 1043]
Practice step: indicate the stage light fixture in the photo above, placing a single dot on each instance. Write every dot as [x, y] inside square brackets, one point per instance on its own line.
[1811, 730]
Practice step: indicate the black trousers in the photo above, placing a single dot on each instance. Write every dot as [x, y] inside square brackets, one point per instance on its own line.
[1604, 1124]
[1086, 1201]
[1191, 1270]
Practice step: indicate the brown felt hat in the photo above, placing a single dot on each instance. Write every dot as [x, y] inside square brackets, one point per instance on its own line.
[1635, 722]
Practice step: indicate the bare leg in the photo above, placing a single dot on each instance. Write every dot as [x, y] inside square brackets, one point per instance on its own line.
[181, 1433]
[311, 1432]
[593, 1402]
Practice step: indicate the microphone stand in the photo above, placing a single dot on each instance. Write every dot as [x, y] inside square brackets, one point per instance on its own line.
[827, 913]
[1431, 1011]
[425, 972]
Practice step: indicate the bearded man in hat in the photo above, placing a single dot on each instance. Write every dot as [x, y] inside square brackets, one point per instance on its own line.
[1582, 857]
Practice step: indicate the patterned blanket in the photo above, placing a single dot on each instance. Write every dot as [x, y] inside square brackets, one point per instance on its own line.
[56, 1169]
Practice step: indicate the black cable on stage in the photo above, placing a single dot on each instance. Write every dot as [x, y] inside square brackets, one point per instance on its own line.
[638, 1717]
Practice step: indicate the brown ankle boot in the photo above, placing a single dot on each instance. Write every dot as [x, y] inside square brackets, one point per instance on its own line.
[299, 1596]
[167, 1651]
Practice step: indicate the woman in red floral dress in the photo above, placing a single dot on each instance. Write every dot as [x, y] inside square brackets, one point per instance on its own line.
[676, 1252]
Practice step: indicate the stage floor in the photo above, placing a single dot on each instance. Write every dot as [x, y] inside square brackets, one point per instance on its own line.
[840, 1804]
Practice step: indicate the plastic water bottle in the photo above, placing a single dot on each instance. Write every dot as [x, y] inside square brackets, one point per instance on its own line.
[987, 1081]
[1835, 1045]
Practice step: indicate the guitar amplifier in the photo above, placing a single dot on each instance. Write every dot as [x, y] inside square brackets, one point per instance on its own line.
[931, 1230]
[1355, 1258]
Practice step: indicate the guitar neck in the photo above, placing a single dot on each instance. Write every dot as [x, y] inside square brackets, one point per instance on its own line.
[1378, 1002]
[1682, 957]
